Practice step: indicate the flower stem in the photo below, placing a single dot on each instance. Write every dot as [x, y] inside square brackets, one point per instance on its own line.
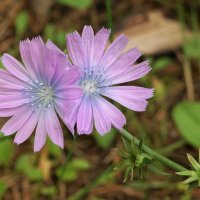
[153, 153]
[109, 17]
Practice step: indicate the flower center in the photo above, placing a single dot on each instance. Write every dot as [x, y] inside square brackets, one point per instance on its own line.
[93, 80]
[89, 86]
[39, 95]
[45, 93]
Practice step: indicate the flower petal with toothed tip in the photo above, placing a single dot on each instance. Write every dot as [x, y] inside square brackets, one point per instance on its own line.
[100, 41]
[75, 49]
[113, 51]
[131, 97]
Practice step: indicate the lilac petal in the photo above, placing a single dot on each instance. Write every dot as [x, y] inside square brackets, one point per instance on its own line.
[11, 100]
[88, 44]
[69, 92]
[49, 61]
[71, 119]
[132, 73]
[52, 46]
[27, 129]
[101, 120]
[58, 65]
[4, 92]
[11, 103]
[16, 122]
[15, 95]
[14, 67]
[100, 41]
[113, 51]
[27, 59]
[37, 50]
[53, 127]
[64, 109]
[4, 89]
[75, 49]
[68, 77]
[84, 116]
[9, 81]
[7, 112]
[62, 67]
[123, 62]
[40, 134]
[113, 113]
[131, 97]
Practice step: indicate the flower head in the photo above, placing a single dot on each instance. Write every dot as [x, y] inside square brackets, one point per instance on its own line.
[102, 70]
[133, 159]
[35, 93]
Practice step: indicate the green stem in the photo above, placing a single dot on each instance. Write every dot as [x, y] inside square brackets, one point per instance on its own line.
[153, 153]
[109, 17]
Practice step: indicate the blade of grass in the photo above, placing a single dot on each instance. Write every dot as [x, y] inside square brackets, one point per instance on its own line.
[109, 17]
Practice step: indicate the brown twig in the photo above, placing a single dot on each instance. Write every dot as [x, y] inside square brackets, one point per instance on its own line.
[187, 75]
[112, 188]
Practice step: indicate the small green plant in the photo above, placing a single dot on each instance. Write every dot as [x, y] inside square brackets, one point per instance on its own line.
[194, 174]
[134, 159]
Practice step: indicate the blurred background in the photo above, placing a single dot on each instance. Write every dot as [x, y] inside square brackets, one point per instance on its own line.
[167, 32]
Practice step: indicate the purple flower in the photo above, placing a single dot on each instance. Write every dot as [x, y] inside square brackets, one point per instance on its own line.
[102, 71]
[34, 94]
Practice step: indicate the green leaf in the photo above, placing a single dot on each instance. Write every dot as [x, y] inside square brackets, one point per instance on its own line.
[21, 23]
[105, 141]
[161, 63]
[78, 4]
[127, 173]
[186, 173]
[194, 163]
[6, 146]
[80, 164]
[140, 145]
[106, 176]
[49, 191]
[127, 144]
[187, 118]
[69, 174]
[25, 165]
[192, 47]
[190, 179]
[3, 189]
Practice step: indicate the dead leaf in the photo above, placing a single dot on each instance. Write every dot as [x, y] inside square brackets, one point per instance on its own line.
[157, 34]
